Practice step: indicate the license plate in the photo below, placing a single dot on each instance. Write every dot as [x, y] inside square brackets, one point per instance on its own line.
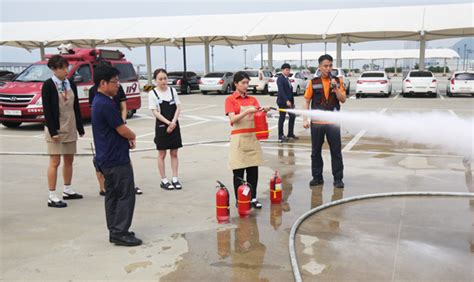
[420, 87]
[12, 113]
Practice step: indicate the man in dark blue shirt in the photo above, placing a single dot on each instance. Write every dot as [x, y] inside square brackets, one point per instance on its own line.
[113, 139]
[285, 100]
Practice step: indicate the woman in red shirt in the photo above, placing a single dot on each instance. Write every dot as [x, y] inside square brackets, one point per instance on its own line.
[245, 153]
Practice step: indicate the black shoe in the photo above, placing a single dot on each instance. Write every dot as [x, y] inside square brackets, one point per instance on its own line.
[125, 240]
[177, 185]
[256, 204]
[338, 184]
[294, 137]
[131, 233]
[316, 182]
[138, 191]
[74, 196]
[282, 139]
[102, 193]
[167, 186]
[58, 204]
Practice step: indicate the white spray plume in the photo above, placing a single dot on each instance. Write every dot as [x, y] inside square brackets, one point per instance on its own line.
[445, 131]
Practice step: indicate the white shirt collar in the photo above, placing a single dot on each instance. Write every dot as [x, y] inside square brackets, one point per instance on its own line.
[59, 82]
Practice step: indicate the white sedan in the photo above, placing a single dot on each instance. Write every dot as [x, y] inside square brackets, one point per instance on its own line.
[373, 83]
[461, 82]
[420, 82]
[298, 82]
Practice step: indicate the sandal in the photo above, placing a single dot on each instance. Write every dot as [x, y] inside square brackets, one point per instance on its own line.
[167, 186]
[177, 185]
[256, 204]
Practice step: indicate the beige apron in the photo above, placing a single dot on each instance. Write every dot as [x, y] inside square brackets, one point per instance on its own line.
[67, 119]
[245, 150]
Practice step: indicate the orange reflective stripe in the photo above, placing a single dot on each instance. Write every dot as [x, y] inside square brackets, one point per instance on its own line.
[222, 207]
[243, 202]
[259, 132]
[243, 130]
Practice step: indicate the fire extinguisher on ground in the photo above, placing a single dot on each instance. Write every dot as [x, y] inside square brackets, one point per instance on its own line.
[244, 195]
[275, 189]
[222, 203]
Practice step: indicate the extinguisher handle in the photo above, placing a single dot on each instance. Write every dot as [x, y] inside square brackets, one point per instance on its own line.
[220, 184]
[272, 108]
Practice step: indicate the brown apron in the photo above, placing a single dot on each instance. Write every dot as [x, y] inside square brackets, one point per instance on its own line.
[245, 150]
[67, 119]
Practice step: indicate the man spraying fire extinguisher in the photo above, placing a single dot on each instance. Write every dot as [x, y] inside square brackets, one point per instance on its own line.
[325, 93]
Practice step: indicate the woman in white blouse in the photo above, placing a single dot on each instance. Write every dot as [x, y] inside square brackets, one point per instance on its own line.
[164, 103]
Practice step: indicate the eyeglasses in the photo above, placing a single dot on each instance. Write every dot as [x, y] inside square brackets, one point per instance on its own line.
[114, 81]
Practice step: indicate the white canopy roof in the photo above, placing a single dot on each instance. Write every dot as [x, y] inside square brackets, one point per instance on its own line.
[364, 55]
[351, 25]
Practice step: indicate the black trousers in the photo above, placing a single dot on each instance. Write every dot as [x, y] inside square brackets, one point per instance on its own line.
[333, 136]
[252, 179]
[291, 124]
[119, 198]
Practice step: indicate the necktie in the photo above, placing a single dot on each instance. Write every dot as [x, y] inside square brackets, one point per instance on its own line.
[64, 93]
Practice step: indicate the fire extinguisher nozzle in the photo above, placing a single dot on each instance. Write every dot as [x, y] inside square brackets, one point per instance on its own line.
[221, 185]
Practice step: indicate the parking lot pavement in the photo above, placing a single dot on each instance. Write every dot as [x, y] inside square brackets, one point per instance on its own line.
[182, 240]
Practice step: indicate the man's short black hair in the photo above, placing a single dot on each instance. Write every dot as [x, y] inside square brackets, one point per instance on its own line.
[325, 57]
[104, 72]
[57, 62]
[285, 66]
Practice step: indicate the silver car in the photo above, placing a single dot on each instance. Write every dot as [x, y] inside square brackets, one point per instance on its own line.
[216, 81]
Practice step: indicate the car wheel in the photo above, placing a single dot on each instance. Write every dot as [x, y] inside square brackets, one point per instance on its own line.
[298, 91]
[204, 92]
[357, 95]
[348, 91]
[11, 124]
[265, 89]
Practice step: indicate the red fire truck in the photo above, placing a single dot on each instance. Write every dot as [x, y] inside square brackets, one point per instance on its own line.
[20, 99]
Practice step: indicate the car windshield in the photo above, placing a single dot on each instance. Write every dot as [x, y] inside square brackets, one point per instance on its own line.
[252, 73]
[214, 75]
[421, 74]
[464, 76]
[372, 74]
[35, 73]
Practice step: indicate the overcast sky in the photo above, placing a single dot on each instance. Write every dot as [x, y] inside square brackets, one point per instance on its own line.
[225, 57]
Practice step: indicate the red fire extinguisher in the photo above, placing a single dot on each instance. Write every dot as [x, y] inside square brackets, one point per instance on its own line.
[275, 189]
[261, 125]
[244, 195]
[222, 203]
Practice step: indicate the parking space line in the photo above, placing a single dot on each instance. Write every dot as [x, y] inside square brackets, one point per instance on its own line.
[396, 97]
[354, 141]
[358, 136]
[441, 97]
[21, 136]
[453, 113]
